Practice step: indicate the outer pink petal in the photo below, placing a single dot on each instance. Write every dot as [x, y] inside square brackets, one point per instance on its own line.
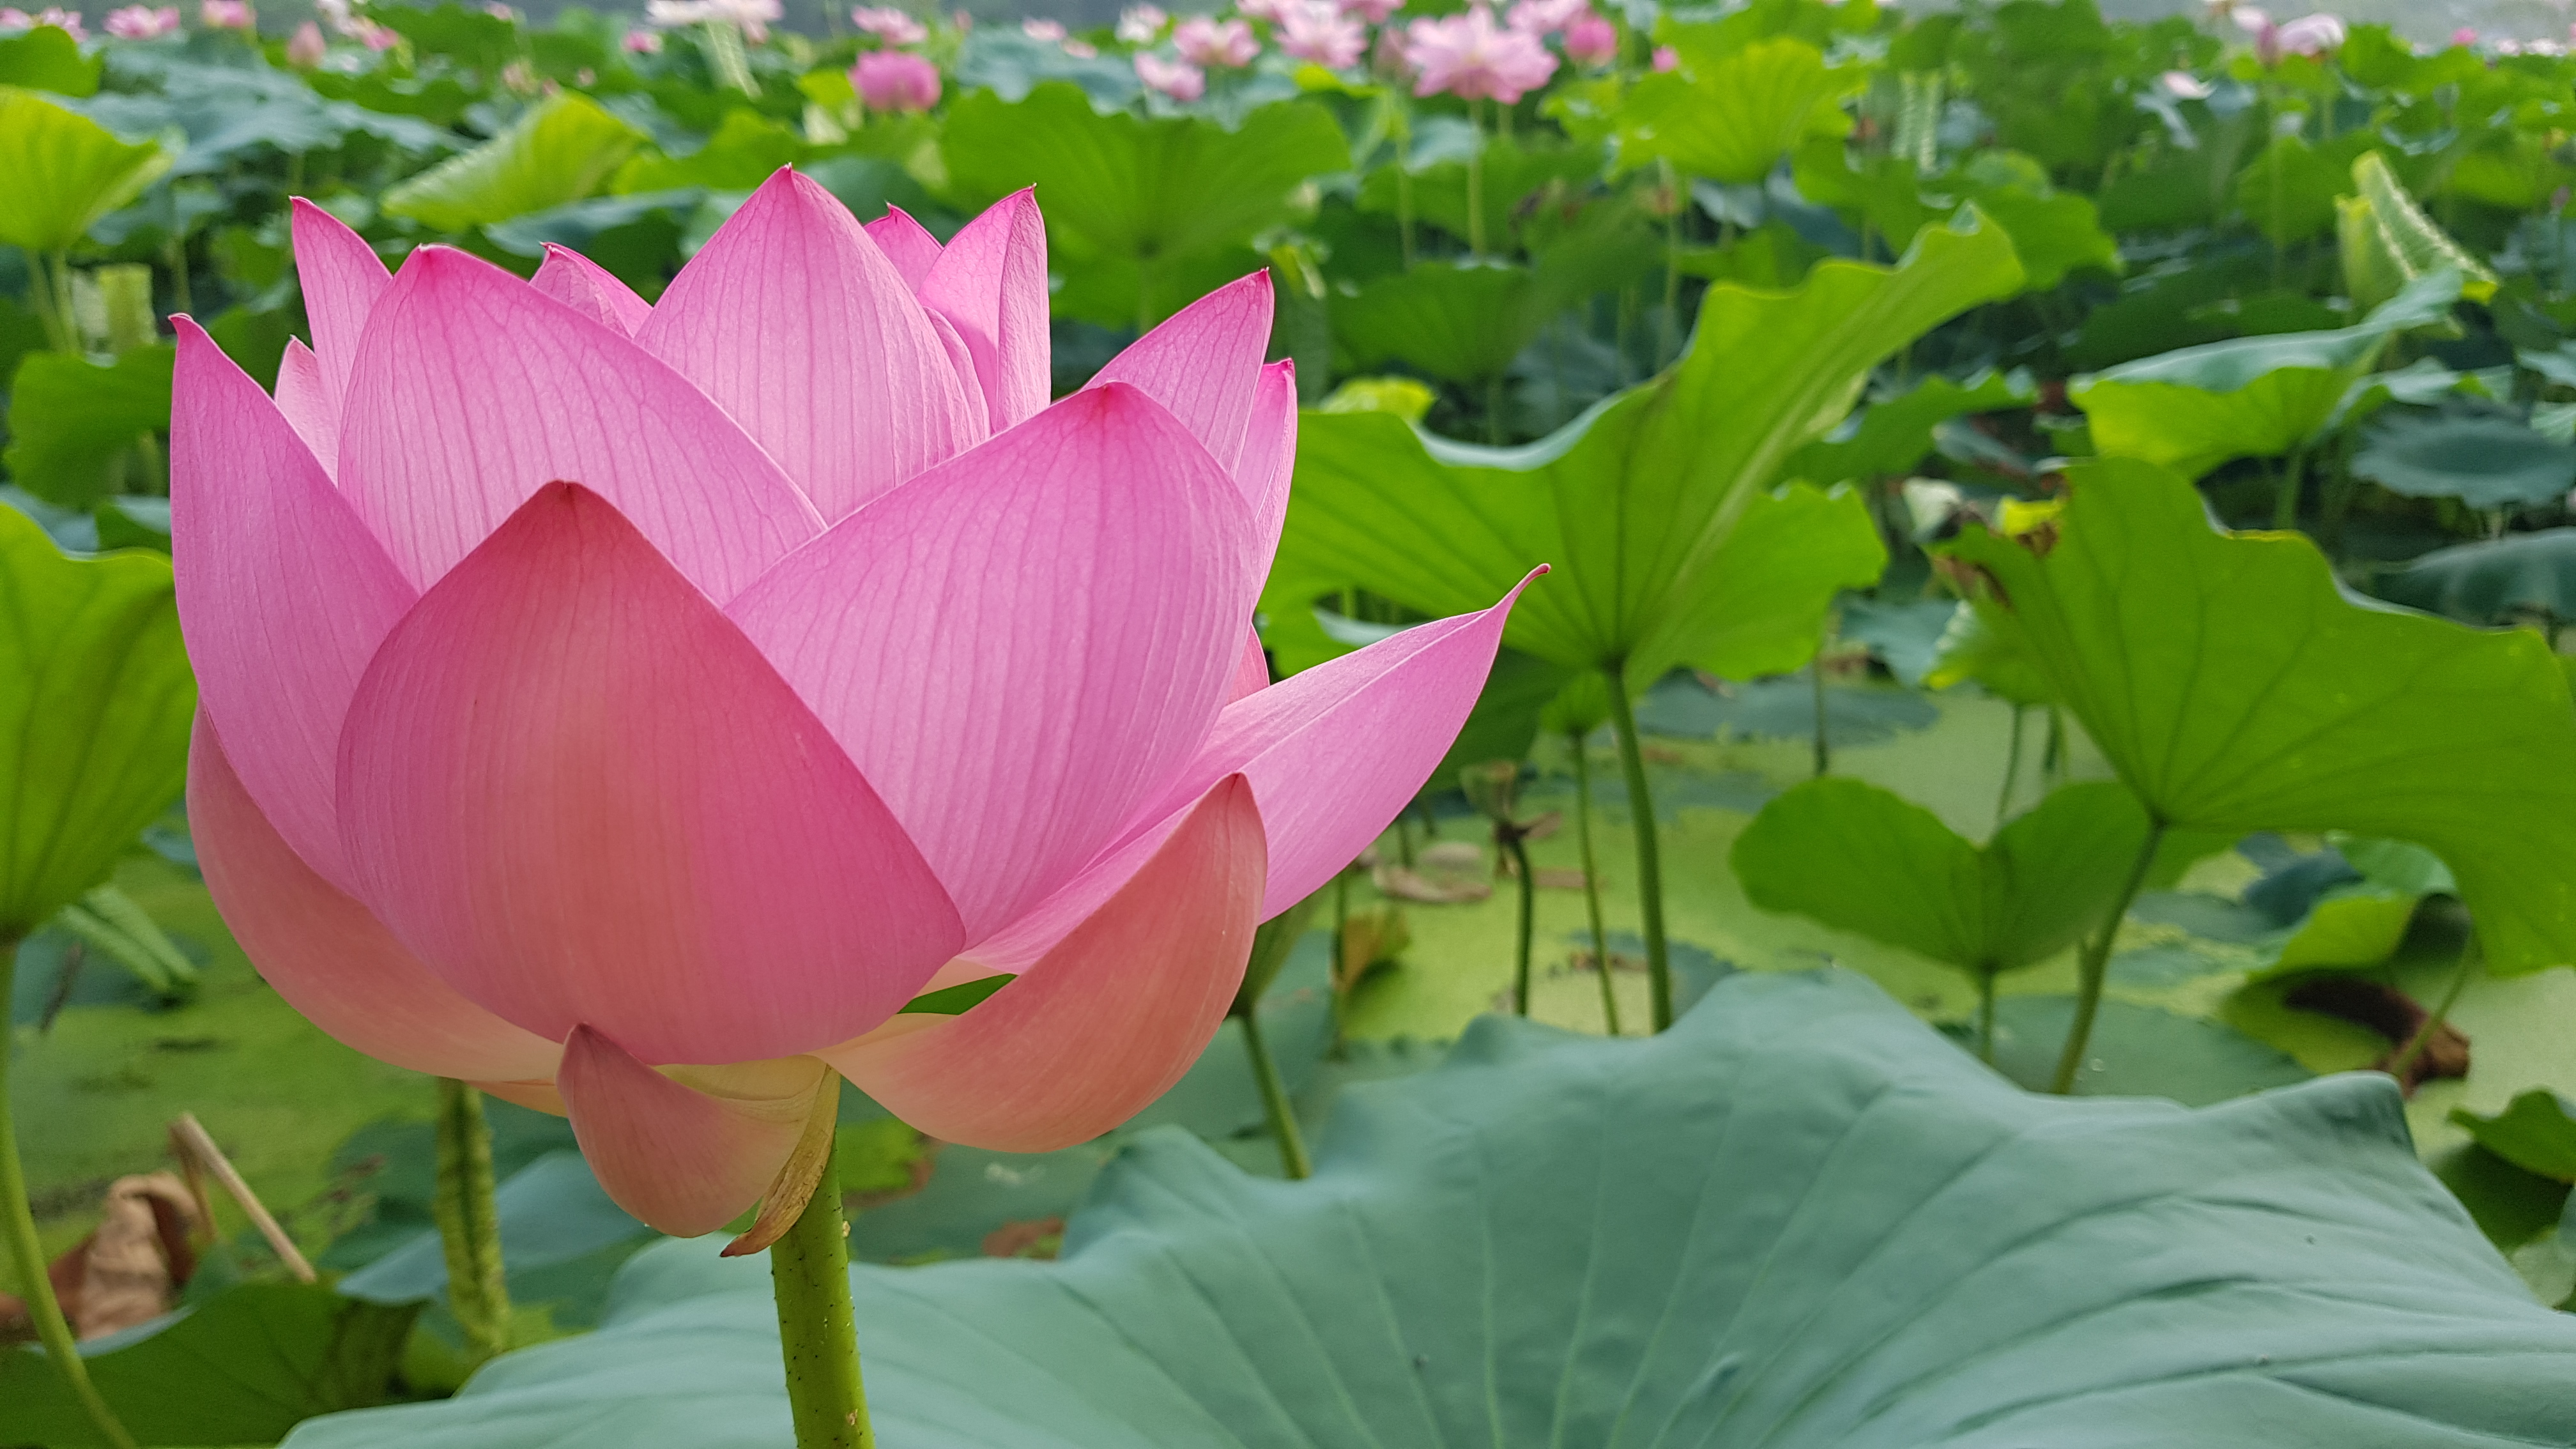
[473, 390]
[1270, 457]
[283, 594]
[1335, 753]
[794, 320]
[907, 244]
[590, 289]
[577, 792]
[991, 281]
[1107, 1021]
[342, 278]
[1204, 363]
[1021, 646]
[1252, 673]
[330, 959]
[309, 409]
[683, 1161]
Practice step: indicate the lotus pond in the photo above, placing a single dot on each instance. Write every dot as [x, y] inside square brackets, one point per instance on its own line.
[1336, 724]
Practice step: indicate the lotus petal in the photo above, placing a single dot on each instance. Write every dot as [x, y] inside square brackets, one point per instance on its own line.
[1204, 363]
[907, 244]
[342, 279]
[590, 289]
[308, 406]
[682, 1159]
[991, 281]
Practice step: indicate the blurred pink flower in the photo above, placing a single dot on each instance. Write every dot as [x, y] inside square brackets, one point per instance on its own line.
[226, 15]
[895, 80]
[890, 25]
[1206, 42]
[377, 37]
[1269, 11]
[851, 668]
[1547, 17]
[306, 47]
[1471, 57]
[1139, 24]
[751, 17]
[14, 19]
[519, 78]
[1316, 30]
[142, 22]
[1178, 79]
[1042, 29]
[961, 19]
[499, 11]
[2465, 35]
[1372, 11]
[1591, 39]
[1078, 49]
[1666, 59]
[2182, 85]
[2308, 35]
[643, 42]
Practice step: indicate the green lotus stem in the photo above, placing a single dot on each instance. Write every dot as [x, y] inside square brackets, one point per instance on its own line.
[2095, 963]
[1824, 750]
[809, 1273]
[1986, 1017]
[1650, 865]
[1494, 410]
[1341, 966]
[2052, 760]
[1592, 878]
[1274, 1101]
[2404, 1061]
[1476, 179]
[50, 289]
[1669, 330]
[469, 1225]
[27, 1252]
[2012, 766]
[2285, 503]
[1528, 922]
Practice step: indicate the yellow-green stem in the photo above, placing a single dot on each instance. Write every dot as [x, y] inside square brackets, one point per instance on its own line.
[2012, 765]
[1528, 923]
[1650, 864]
[26, 1251]
[2095, 963]
[1476, 179]
[1986, 1017]
[809, 1274]
[2404, 1061]
[1274, 1100]
[1592, 879]
[469, 1223]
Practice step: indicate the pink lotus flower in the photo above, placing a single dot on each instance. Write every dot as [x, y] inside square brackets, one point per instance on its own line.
[1546, 17]
[226, 15]
[142, 22]
[1267, 11]
[1139, 24]
[643, 42]
[889, 25]
[1471, 57]
[895, 80]
[377, 37]
[1372, 11]
[1224, 43]
[1591, 40]
[306, 47]
[1665, 59]
[2308, 35]
[1042, 29]
[1178, 79]
[67, 21]
[632, 707]
[1317, 31]
[2182, 85]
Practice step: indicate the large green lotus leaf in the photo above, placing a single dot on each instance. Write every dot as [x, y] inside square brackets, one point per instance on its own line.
[1463, 321]
[2483, 461]
[73, 423]
[1631, 502]
[741, 154]
[1799, 1219]
[48, 59]
[241, 1369]
[2387, 241]
[2054, 232]
[1760, 607]
[2236, 688]
[2289, 189]
[1142, 195]
[561, 151]
[234, 116]
[1895, 433]
[95, 702]
[1732, 118]
[1866, 860]
[2535, 1132]
[2483, 583]
[65, 171]
[2196, 408]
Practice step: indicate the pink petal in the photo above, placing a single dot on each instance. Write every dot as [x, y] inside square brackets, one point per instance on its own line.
[1270, 457]
[473, 390]
[684, 1161]
[283, 594]
[330, 959]
[1107, 1021]
[991, 281]
[309, 408]
[1252, 673]
[961, 360]
[907, 244]
[577, 792]
[342, 278]
[1204, 363]
[590, 289]
[793, 320]
[1335, 753]
[1020, 647]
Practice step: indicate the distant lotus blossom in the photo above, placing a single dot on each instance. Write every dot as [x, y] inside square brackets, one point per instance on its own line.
[499, 11]
[1139, 24]
[963, 19]
[1386, 58]
[67, 21]
[1547, 17]
[1315, 30]
[1272, 11]
[751, 17]
[377, 37]
[1052, 30]
[13, 18]
[306, 47]
[1591, 40]
[1203, 41]
[2465, 35]
[1178, 79]
[519, 78]
[1471, 57]
[643, 42]
[1666, 59]
[142, 22]
[889, 25]
[895, 80]
[224, 15]
[1372, 11]
[2182, 85]
[2307, 35]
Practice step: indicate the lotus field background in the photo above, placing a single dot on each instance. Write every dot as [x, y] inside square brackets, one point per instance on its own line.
[2045, 732]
